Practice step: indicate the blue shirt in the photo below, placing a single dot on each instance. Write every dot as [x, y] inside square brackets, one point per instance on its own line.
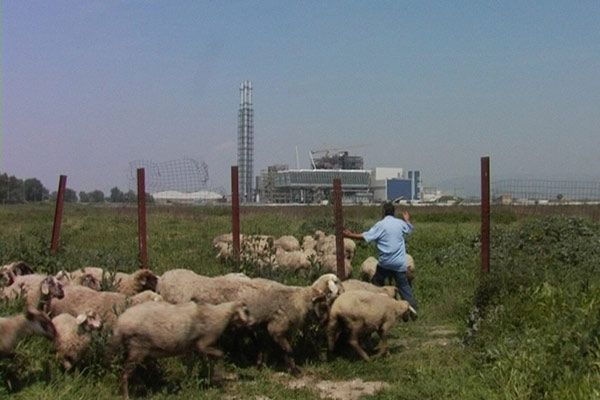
[389, 236]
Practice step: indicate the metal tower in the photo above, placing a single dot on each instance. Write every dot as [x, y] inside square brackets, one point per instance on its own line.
[246, 143]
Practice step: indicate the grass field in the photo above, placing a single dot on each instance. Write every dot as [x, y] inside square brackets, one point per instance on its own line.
[529, 330]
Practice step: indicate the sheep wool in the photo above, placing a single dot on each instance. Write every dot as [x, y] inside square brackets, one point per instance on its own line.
[16, 327]
[156, 329]
[363, 312]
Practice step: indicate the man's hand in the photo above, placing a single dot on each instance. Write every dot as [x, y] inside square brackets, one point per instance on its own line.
[406, 216]
[346, 232]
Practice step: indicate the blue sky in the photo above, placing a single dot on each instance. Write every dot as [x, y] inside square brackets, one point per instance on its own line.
[88, 86]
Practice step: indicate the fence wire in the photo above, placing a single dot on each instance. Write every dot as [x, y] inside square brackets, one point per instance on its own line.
[537, 190]
[184, 175]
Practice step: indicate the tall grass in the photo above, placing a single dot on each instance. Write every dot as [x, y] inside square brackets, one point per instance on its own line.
[528, 330]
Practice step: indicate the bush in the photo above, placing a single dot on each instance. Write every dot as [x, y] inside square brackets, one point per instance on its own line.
[537, 313]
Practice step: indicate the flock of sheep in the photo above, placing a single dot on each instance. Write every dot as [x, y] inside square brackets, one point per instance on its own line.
[150, 316]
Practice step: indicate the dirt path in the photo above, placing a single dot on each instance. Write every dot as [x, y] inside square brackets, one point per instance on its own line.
[422, 338]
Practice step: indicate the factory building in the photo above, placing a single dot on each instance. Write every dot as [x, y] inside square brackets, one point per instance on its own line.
[389, 184]
[316, 185]
[279, 184]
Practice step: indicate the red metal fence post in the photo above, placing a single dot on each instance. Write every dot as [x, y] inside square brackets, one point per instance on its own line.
[58, 212]
[235, 213]
[485, 214]
[142, 233]
[339, 227]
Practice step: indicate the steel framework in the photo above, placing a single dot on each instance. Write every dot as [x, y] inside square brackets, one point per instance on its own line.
[246, 143]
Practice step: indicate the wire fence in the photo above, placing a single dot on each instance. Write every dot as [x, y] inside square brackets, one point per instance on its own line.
[538, 191]
[185, 175]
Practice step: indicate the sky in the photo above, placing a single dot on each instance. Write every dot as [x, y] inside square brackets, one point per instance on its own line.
[88, 86]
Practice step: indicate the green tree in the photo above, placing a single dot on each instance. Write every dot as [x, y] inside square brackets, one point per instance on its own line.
[97, 196]
[70, 196]
[130, 196]
[116, 196]
[11, 189]
[34, 190]
[83, 197]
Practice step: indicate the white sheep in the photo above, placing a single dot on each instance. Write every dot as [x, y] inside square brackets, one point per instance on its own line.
[255, 249]
[8, 272]
[369, 266]
[295, 260]
[363, 312]
[16, 327]
[410, 271]
[108, 305]
[130, 284]
[37, 289]
[326, 244]
[329, 263]
[180, 285]
[287, 243]
[280, 308]
[86, 279]
[153, 330]
[354, 284]
[308, 243]
[73, 336]
[142, 297]
[95, 272]
[284, 309]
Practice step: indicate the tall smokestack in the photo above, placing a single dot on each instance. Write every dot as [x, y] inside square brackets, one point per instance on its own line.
[246, 143]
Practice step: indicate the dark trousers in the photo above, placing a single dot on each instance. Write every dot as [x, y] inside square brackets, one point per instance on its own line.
[381, 274]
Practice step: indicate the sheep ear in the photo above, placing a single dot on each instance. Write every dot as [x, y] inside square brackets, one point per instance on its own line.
[45, 287]
[332, 287]
[96, 324]
[81, 319]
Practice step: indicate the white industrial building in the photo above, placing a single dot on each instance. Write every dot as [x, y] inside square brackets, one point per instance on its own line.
[199, 197]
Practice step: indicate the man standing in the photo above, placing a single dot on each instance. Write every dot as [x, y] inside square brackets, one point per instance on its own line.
[388, 234]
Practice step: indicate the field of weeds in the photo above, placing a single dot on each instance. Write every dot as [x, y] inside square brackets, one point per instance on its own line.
[528, 330]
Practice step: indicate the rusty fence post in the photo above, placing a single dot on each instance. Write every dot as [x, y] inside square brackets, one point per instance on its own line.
[142, 228]
[485, 214]
[58, 212]
[339, 227]
[235, 214]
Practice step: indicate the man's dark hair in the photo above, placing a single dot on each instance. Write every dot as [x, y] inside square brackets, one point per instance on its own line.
[388, 209]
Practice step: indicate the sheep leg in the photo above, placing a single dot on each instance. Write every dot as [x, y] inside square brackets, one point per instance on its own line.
[211, 351]
[353, 341]
[333, 333]
[132, 359]
[383, 345]
[127, 370]
[287, 355]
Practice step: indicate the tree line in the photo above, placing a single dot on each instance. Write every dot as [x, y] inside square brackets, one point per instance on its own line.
[15, 191]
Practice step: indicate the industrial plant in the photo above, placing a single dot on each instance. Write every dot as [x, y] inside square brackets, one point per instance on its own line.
[280, 184]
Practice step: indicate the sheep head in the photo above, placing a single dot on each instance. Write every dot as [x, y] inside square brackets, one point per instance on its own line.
[8, 272]
[328, 285]
[52, 287]
[90, 281]
[89, 321]
[241, 315]
[7, 278]
[146, 280]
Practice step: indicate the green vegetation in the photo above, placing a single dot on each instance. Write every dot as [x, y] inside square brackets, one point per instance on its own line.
[528, 330]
